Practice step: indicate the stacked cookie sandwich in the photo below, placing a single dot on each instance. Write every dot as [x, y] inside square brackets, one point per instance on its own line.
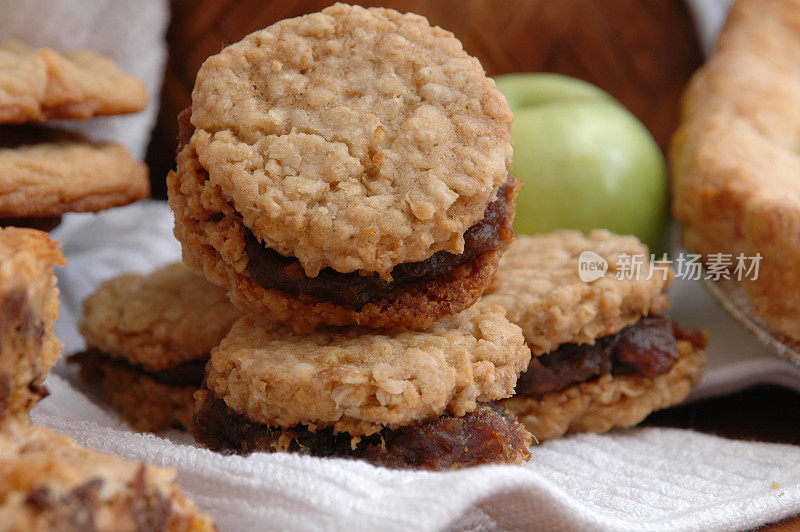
[48, 481]
[46, 172]
[344, 177]
[604, 356]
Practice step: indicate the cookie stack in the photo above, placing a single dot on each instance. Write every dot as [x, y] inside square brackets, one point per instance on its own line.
[48, 481]
[342, 178]
[46, 172]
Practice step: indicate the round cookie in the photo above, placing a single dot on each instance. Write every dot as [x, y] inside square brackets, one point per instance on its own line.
[353, 138]
[45, 173]
[349, 142]
[359, 381]
[538, 283]
[41, 84]
[148, 339]
[157, 321]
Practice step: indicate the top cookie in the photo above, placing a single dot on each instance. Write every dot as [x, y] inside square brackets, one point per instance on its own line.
[41, 84]
[158, 320]
[538, 283]
[354, 138]
[357, 380]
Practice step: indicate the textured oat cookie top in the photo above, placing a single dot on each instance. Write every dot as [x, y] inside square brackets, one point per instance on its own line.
[358, 380]
[158, 320]
[538, 283]
[39, 84]
[352, 138]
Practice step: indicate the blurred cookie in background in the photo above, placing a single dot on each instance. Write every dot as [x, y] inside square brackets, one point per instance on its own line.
[46, 172]
[41, 84]
[148, 338]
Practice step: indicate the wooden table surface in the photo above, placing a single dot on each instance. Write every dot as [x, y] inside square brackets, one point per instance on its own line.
[641, 51]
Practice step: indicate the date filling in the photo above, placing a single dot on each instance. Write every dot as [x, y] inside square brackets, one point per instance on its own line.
[648, 348]
[271, 270]
[93, 360]
[488, 435]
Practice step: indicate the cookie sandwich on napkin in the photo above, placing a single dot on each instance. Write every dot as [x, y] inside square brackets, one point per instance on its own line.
[604, 356]
[148, 338]
[398, 398]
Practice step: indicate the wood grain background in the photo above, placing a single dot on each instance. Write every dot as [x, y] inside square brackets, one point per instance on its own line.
[641, 51]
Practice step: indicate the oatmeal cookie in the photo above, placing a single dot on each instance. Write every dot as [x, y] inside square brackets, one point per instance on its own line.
[735, 158]
[28, 310]
[41, 84]
[538, 283]
[148, 339]
[159, 320]
[602, 354]
[349, 166]
[45, 173]
[359, 381]
[49, 482]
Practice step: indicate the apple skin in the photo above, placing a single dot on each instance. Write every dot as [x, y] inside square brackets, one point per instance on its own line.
[586, 163]
[526, 89]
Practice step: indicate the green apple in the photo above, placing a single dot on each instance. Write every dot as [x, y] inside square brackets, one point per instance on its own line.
[586, 162]
[526, 89]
